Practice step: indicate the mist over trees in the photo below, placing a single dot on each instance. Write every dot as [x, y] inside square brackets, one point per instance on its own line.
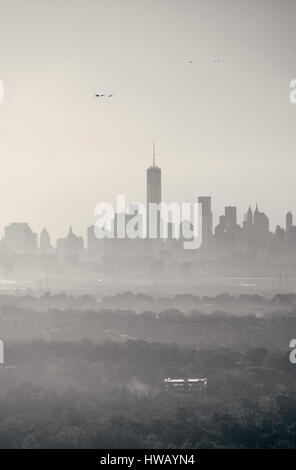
[82, 373]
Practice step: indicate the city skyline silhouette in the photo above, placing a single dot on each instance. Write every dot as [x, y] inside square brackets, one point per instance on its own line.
[221, 128]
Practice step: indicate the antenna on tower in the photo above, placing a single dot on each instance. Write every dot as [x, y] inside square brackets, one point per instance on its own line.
[153, 152]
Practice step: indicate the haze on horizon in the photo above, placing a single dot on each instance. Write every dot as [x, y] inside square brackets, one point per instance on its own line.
[223, 129]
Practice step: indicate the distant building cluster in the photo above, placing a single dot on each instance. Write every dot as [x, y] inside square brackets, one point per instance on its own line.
[229, 244]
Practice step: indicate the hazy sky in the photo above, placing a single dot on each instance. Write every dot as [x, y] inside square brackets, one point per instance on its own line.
[222, 129]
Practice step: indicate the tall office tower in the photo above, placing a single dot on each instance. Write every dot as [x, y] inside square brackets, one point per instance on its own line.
[291, 243]
[290, 235]
[230, 219]
[277, 245]
[220, 228]
[19, 238]
[248, 233]
[153, 182]
[261, 232]
[248, 228]
[289, 221]
[45, 247]
[207, 218]
[261, 223]
[249, 217]
[153, 187]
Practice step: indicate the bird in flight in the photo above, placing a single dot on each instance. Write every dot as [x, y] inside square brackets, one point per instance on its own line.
[98, 95]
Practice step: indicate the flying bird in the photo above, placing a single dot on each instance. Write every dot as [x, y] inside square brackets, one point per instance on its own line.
[98, 95]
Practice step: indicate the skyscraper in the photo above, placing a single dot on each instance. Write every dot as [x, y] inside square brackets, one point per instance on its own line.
[249, 217]
[153, 188]
[207, 218]
[261, 223]
[230, 219]
[289, 221]
[19, 238]
[153, 182]
[45, 247]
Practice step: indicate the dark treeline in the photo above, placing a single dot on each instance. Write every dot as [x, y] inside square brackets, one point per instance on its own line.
[84, 373]
[273, 330]
[111, 396]
[152, 362]
[242, 303]
[34, 417]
